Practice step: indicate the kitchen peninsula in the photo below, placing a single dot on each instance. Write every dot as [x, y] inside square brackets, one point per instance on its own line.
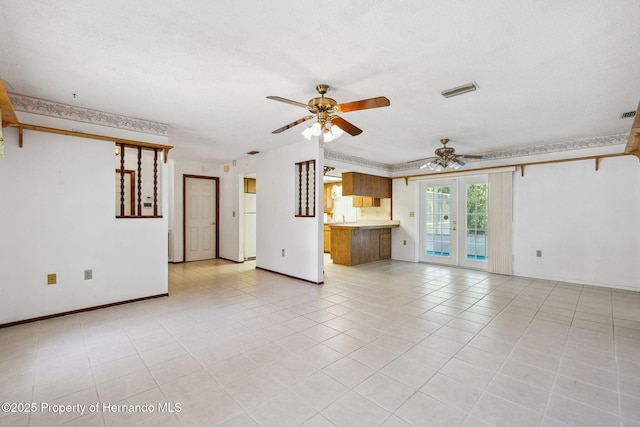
[361, 242]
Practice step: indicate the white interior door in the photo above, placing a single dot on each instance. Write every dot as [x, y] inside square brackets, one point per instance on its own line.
[200, 219]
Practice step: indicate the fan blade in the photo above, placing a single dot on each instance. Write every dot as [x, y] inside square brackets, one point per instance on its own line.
[346, 126]
[364, 104]
[292, 124]
[474, 157]
[288, 101]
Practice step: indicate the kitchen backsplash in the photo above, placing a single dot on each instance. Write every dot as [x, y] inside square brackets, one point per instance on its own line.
[343, 208]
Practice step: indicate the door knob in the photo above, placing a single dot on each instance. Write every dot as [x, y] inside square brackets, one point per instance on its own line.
[453, 229]
[212, 223]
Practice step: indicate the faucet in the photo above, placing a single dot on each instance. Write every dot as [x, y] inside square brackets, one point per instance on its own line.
[343, 220]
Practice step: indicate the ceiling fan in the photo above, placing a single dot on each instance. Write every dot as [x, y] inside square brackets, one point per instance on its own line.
[328, 123]
[446, 157]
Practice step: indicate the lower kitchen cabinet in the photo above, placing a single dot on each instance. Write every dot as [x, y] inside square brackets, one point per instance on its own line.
[327, 239]
[353, 246]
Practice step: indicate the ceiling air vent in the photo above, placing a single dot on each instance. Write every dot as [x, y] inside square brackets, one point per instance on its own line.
[459, 90]
[628, 114]
[251, 153]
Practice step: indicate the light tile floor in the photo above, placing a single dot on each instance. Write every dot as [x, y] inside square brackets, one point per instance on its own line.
[389, 343]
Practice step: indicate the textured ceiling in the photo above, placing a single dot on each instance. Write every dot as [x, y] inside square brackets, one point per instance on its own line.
[547, 71]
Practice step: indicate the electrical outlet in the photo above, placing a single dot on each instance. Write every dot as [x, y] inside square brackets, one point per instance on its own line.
[51, 279]
[539, 253]
[283, 252]
[233, 214]
[88, 274]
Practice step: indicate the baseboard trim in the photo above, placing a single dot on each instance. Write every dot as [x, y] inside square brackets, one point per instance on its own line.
[231, 260]
[80, 310]
[290, 276]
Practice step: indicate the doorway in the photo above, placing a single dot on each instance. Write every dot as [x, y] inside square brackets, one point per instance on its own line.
[453, 225]
[200, 226]
[125, 196]
[248, 225]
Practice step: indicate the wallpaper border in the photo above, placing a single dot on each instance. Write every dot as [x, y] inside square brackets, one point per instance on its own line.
[43, 107]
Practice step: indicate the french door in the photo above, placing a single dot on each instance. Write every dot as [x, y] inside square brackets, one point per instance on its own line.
[453, 221]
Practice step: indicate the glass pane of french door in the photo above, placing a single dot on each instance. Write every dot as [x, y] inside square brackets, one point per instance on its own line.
[475, 223]
[453, 222]
[438, 223]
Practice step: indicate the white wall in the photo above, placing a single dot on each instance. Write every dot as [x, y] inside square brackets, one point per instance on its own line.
[231, 206]
[57, 216]
[585, 222]
[404, 202]
[277, 228]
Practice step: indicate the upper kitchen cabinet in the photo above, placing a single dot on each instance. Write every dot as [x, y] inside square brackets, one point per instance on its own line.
[362, 184]
[328, 200]
[250, 185]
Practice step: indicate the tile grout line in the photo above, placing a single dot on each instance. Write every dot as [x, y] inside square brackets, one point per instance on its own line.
[557, 371]
[484, 391]
[615, 355]
[468, 414]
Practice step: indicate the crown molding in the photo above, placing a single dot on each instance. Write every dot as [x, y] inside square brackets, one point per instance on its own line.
[555, 147]
[43, 107]
[576, 144]
[357, 161]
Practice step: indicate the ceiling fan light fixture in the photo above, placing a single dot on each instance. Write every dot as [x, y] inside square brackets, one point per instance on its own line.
[316, 129]
[328, 136]
[307, 133]
[336, 131]
[459, 90]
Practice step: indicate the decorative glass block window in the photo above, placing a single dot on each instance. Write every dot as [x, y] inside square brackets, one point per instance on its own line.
[305, 181]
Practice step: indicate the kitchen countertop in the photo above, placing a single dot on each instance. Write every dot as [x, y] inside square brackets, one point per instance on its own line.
[364, 224]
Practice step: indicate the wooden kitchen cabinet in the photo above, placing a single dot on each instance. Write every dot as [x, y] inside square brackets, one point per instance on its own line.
[365, 202]
[362, 184]
[371, 202]
[360, 245]
[381, 187]
[328, 201]
[327, 239]
[250, 185]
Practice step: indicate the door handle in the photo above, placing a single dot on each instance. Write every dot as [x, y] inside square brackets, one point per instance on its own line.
[453, 228]
[212, 223]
